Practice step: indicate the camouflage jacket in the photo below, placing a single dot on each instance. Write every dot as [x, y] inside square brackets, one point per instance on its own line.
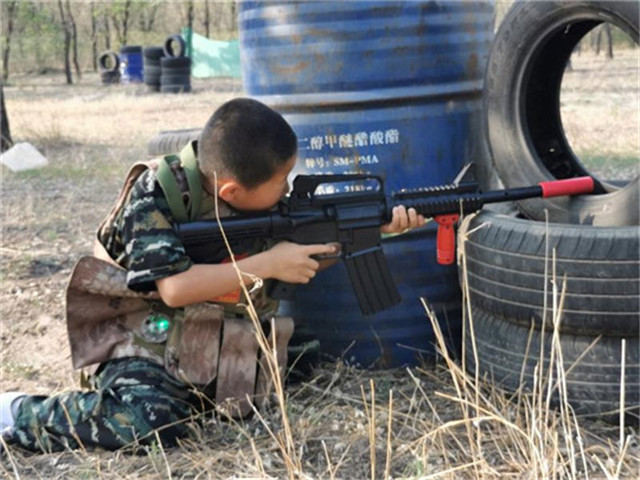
[113, 309]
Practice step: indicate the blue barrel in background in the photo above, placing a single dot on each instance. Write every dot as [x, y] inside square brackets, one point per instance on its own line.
[392, 88]
[131, 65]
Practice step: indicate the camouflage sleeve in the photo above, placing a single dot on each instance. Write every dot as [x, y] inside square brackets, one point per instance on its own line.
[152, 250]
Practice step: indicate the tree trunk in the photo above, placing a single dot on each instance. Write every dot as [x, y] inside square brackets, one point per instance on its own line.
[94, 38]
[596, 40]
[5, 135]
[234, 17]
[67, 44]
[148, 18]
[6, 48]
[607, 33]
[120, 21]
[107, 32]
[207, 18]
[73, 30]
[190, 14]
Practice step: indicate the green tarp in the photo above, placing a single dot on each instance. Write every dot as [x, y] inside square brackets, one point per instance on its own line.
[212, 58]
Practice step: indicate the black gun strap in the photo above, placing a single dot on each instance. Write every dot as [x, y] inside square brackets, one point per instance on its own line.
[371, 279]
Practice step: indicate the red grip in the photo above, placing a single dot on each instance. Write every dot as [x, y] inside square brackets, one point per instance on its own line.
[569, 186]
[446, 241]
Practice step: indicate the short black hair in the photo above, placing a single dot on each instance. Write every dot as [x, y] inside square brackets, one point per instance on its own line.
[247, 140]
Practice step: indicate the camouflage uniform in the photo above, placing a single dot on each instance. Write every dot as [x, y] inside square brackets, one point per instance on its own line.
[158, 366]
[132, 398]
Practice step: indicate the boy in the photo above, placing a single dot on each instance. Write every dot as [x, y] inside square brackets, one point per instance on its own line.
[140, 312]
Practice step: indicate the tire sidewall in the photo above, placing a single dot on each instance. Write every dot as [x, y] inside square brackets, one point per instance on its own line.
[102, 62]
[169, 49]
[524, 29]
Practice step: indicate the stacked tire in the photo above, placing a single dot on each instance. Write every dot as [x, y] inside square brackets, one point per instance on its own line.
[109, 68]
[175, 67]
[512, 267]
[591, 243]
[152, 67]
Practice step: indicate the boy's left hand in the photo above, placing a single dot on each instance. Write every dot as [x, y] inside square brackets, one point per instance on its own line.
[402, 220]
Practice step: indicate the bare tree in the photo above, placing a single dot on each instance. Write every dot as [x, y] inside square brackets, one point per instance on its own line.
[147, 16]
[73, 30]
[8, 13]
[233, 16]
[67, 43]
[121, 19]
[5, 133]
[607, 32]
[207, 18]
[596, 39]
[188, 13]
[107, 32]
[94, 36]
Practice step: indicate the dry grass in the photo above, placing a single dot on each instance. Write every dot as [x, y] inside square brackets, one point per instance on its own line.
[600, 109]
[433, 421]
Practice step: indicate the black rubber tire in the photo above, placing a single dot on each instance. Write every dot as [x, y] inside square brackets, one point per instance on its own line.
[175, 79]
[505, 260]
[105, 58]
[153, 54]
[171, 141]
[169, 50]
[110, 78]
[593, 382]
[151, 74]
[152, 80]
[182, 71]
[152, 70]
[171, 62]
[522, 107]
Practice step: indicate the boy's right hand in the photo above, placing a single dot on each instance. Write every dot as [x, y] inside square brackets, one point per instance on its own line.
[292, 262]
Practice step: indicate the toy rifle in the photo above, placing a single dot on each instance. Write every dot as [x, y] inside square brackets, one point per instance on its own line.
[353, 219]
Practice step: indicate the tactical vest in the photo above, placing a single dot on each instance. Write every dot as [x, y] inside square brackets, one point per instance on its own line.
[197, 344]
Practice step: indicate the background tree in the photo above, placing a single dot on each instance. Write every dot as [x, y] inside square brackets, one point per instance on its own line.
[207, 19]
[121, 17]
[8, 17]
[67, 43]
[5, 134]
[597, 39]
[188, 13]
[148, 15]
[94, 36]
[107, 30]
[73, 30]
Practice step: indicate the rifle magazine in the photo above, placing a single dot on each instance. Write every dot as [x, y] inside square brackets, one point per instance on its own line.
[372, 282]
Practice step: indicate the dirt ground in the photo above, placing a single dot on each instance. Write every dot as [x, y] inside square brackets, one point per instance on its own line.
[91, 134]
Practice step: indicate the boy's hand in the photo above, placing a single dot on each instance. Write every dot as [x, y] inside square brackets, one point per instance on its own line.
[402, 220]
[292, 263]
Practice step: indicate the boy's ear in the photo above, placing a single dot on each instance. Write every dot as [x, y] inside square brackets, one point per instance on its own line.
[228, 190]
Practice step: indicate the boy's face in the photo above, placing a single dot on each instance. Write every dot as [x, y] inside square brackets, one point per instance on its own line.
[262, 197]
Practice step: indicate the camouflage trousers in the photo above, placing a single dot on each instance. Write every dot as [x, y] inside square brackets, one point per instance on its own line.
[134, 402]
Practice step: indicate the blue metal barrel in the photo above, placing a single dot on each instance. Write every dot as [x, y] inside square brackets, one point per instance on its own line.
[392, 88]
[131, 67]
